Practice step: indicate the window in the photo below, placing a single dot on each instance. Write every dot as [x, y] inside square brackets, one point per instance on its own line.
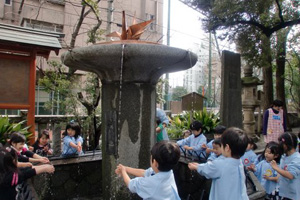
[8, 2]
[44, 26]
[152, 25]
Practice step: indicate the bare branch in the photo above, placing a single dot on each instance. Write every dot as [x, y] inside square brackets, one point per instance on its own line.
[279, 11]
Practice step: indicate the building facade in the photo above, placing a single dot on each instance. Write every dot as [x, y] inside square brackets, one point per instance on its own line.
[62, 16]
[196, 79]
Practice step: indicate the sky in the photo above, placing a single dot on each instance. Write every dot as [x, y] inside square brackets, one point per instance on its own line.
[185, 29]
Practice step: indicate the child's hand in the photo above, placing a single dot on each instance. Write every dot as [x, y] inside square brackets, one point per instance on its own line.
[50, 169]
[187, 147]
[79, 148]
[28, 164]
[274, 164]
[46, 148]
[120, 169]
[267, 177]
[44, 160]
[204, 146]
[193, 166]
[251, 167]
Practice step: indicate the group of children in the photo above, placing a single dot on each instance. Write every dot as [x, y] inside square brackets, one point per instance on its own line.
[231, 151]
[18, 163]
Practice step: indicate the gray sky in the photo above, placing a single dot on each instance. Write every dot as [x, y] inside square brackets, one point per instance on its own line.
[186, 30]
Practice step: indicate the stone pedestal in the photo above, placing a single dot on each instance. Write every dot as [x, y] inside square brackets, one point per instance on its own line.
[250, 100]
[129, 72]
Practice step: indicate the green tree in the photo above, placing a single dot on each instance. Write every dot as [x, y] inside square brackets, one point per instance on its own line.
[159, 90]
[178, 92]
[74, 94]
[262, 17]
[63, 80]
[293, 78]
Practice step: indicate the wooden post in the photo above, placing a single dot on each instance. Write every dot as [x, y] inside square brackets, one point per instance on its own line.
[31, 97]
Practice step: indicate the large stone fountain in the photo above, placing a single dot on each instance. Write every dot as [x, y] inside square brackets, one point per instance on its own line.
[129, 71]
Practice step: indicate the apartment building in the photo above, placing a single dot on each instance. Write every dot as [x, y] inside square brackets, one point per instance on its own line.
[62, 16]
[196, 78]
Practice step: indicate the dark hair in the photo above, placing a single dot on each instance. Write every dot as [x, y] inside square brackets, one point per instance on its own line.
[75, 126]
[17, 137]
[217, 141]
[44, 132]
[8, 160]
[275, 149]
[289, 139]
[277, 103]
[196, 125]
[158, 121]
[251, 141]
[237, 140]
[166, 155]
[219, 129]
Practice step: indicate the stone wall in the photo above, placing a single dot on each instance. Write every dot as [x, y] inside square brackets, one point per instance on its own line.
[74, 178]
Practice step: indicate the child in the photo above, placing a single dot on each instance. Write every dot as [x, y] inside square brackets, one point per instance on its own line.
[72, 141]
[11, 175]
[164, 120]
[216, 151]
[264, 172]
[219, 130]
[17, 141]
[227, 174]
[41, 145]
[159, 130]
[193, 144]
[158, 181]
[249, 157]
[289, 169]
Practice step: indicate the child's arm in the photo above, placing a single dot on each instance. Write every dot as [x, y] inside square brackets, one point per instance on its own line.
[38, 158]
[133, 171]
[121, 170]
[158, 129]
[44, 169]
[24, 164]
[275, 179]
[209, 170]
[280, 171]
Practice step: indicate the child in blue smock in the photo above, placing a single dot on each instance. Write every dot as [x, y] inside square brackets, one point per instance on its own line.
[227, 174]
[249, 157]
[289, 169]
[193, 143]
[157, 182]
[216, 151]
[72, 142]
[218, 131]
[264, 172]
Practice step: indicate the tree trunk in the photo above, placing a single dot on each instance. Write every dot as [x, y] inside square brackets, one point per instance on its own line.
[267, 72]
[280, 70]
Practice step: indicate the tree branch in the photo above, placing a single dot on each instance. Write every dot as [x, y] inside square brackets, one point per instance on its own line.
[279, 11]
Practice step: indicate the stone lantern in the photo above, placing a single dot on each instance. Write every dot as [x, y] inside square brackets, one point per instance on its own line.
[250, 100]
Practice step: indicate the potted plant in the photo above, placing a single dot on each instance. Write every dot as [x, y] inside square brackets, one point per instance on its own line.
[6, 128]
[182, 122]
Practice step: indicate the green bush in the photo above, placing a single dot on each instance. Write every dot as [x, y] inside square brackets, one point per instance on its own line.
[182, 122]
[6, 128]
